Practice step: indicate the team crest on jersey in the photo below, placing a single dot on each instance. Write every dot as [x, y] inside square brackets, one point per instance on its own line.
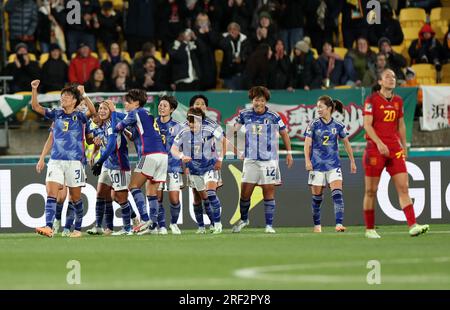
[171, 129]
[396, 105]
[381, 107]
[368, 107]
[333, 131]
[74, 118]
[373, 161]
[266, 121]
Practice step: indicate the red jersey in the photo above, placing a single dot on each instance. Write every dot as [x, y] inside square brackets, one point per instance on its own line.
[386, 114]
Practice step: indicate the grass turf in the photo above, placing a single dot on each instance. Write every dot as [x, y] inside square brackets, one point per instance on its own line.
[294, 258]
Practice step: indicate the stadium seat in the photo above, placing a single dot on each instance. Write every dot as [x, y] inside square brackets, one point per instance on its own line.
[341, 51]
[315, 53]
[44, 57]
[125, 56]
[375, 49]
[412, 17]
[445, 3]
[439, 20]
[409, 34]
[425, 74]
[445, 73]
[398, 48]
[12, 57]
[218, 55]
[93, 54]
[343, 87]
[117, 4]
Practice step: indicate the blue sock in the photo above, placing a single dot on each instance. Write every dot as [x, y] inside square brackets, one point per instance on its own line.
[269, 210]
[174, 213]
[215, 203]
[126, 219]
[153, 204]
[70, 216]
[161, 215]
[316, 202]
[208, 210]
[244, 206]
[139, 199]
[78, 214]
[338, 201]
[50, 210]
[198, 211]
[59, 207]
[109, 215]
[99, 211]
[133, 214]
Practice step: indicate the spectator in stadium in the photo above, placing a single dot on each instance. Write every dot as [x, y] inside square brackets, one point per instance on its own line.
[148, 49]
[426, 49]
[257, 69]
[332, 68]
[140, 24]
[22, 69]
[395, 61]
[54, 70]
[207, 41]
[97, 82]
[45, 24]
[321, 19]
[236, 50]
[280, 69]
[354, 24]
[184, 62]
[266, 31]
[81, 66]
[258, 6]
[213, 9]
[171, 21]
[152, 77]
[306, 70]
[357, 61]
[113, 58]
[23, 20]
[239, 12]
[291, 16]
[121, 79]
[371, 76]
[110, 22]
[389, 28]
[84, 32]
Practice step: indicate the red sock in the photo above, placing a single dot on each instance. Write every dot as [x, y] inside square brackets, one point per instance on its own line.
[369, 217]
[409, 213]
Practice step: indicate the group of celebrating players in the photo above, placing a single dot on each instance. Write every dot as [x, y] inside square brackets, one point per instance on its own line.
[167, 149]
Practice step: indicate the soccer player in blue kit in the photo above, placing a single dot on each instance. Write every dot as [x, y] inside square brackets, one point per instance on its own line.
[169, 128]
[322, 159]
[200, 146]
[66, 160]
[261, 127]
[153, 160]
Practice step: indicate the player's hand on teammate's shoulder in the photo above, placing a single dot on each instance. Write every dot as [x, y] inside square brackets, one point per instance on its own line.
[35, 83]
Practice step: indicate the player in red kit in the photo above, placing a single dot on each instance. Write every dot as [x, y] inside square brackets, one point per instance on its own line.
[386, 147]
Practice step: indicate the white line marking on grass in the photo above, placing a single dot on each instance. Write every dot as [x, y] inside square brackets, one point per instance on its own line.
[270, 273]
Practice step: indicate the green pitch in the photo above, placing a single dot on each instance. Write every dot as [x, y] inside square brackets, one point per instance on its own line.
[294, 258]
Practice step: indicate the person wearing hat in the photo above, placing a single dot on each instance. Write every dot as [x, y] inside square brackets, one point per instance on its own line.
[426, 49]
[54, 70]
[22, 69]
[395, 61]
[306, 71]
[82, 65]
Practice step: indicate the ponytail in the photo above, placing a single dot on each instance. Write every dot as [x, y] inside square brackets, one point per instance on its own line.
[338, 106]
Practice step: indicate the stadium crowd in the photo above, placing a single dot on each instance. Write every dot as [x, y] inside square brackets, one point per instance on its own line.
[188, 45]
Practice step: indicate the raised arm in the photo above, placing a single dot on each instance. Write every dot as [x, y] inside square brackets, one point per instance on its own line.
[34, 98]
[90, 105]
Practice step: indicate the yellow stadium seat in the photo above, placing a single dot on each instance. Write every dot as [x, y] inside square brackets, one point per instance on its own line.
[445, 3]
[425, 74]
[375, 49]
[343, 87]
[53, 92]
[125, 56]
[409, 34]
[398, 48]
[12, 57]
[341, 51]
[315, 53]
[44, 57]
[93, 54]
[117, 4]
[445, 73]
[158, 56]
[440, 14]
[412, 17]
[439, 20]
[218, 55]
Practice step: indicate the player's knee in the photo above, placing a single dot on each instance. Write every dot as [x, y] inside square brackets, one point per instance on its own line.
[403, 190]
[371, 192]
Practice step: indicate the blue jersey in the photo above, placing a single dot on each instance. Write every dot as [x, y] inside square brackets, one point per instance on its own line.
[261, 134]
[68, 134]
[149, 140]
[169, 131]
[201, 147]
[118, 157]
[325, 148]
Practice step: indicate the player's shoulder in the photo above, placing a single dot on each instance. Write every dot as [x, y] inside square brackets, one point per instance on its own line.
[272, 113]
[397, 98]
[246, 111]
[339, 123]
[315, 122]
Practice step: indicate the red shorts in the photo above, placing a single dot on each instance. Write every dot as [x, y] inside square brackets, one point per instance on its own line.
[374, 162]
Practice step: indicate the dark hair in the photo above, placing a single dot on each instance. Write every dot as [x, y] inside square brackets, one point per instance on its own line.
[72, 90]
[171, 100]
[334, 104]
[194, 98]
[259, 91]
[377, 86]
[192, 113]
[136, 95]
